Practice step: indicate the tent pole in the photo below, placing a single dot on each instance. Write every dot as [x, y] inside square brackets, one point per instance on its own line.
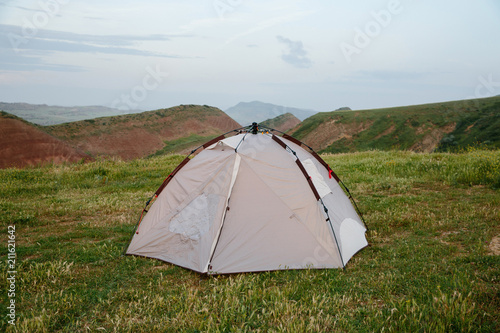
[333, 231]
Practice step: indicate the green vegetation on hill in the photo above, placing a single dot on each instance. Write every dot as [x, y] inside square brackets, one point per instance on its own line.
[4, 114]
[8, 115]
[431, 266]
[482, 126]
[441, 126]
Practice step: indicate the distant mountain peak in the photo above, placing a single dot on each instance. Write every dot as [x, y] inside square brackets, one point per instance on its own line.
[247, 112]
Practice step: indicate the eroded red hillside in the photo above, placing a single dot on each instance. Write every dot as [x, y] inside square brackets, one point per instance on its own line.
[139, 135]
[23, 144]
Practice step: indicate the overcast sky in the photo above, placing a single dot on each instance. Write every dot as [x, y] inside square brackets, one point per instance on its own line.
[316, 54]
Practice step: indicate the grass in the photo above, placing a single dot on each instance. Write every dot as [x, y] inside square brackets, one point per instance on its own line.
[431, 218]
[470, 122]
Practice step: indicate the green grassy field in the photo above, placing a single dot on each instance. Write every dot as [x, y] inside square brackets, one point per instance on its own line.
[431, 217]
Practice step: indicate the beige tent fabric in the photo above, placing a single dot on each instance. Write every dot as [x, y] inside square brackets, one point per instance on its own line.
[236, 168]
[340, 209]
[262, 232]
[243, 205]
[198, 191]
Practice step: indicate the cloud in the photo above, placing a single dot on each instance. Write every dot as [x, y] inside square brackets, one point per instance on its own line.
[296, 54]
[391, 75]
[20, 7]
[50, 41]
[266, 24]
[16, 62]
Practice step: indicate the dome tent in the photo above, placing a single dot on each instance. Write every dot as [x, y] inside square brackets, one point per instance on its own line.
[250, 202]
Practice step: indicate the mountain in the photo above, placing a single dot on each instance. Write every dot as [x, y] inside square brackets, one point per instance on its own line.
[429, 127]
[178, 129]
[246, 113]
[282, 122]
[24, 144]
[43, 114]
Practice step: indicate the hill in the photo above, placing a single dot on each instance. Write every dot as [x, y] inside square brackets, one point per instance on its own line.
[246, 113]
[176, 129]
[24, 144]
[282, 122]
[42, 114]
[425, 128]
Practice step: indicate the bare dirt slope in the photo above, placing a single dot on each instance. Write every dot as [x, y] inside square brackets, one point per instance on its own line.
[143, 134]
[23, 144]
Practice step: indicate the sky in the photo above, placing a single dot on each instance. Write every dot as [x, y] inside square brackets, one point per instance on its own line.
[315, 54]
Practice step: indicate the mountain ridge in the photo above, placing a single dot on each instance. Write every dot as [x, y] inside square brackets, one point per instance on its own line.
[246, 113]
[446, 126]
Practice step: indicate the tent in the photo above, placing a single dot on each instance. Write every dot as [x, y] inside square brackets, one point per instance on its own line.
[254, 201]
